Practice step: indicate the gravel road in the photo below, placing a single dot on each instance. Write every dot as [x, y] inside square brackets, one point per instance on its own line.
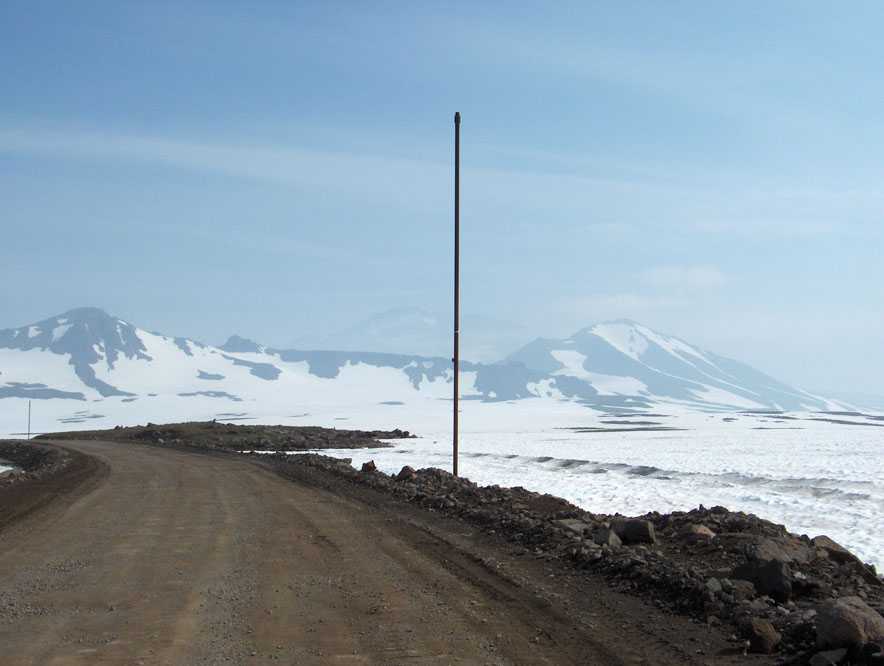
[175, 557]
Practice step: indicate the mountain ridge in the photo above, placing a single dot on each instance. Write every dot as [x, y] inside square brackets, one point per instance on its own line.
[618, 364]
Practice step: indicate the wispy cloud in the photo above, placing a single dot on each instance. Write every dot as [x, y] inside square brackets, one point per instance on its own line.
[658, 294]
[495, 195]
[368, 174]
[581, 311]
[682, 277]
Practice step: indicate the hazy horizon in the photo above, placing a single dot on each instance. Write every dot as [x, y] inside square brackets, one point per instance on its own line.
[284, 172]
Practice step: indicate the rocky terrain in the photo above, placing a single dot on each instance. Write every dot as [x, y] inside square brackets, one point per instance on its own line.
[803, 599]
[232, 437]
[808, 600]
[30, 462]
[41, 473]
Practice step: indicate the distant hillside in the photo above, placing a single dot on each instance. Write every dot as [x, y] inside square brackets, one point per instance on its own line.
[86, 355]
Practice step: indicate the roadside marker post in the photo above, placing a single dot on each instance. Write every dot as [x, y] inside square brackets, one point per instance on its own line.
[456, 358]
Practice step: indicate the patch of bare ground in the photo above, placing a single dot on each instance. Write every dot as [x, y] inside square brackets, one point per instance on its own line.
[233, 437]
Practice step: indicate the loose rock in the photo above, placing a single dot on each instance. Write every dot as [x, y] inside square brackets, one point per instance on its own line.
[605, 536]
[763, 638]
[828, 658]
[634, 531]
[771, 577]
[848, 622]
[405, 474]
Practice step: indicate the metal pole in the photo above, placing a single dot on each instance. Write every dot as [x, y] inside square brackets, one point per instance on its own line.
[456, 279]
[29, 419]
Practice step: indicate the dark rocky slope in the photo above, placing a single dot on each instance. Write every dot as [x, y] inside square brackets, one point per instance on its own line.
[230, 437]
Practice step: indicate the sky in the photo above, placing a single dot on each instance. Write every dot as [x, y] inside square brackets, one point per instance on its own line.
[283, 170]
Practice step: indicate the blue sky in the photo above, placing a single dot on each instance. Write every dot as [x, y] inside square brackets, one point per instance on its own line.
[284, 169]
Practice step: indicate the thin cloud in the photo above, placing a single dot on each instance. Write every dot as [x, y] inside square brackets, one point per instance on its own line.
[495, 195]
[683, 277]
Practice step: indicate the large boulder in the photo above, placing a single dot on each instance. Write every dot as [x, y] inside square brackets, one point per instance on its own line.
[847, 622]
[786, 549]
[631, 530]
[770, 577]
[407, 473]
[833, 550]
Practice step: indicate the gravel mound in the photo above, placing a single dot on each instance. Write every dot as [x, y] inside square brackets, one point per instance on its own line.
[231, 437]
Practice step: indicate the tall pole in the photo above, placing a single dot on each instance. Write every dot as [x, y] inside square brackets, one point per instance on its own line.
[456, 358]
[29, 419]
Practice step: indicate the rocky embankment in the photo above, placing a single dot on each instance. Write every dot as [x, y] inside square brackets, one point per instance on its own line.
[42, 473]
[809, 600]
[231, 437]
[31, 462]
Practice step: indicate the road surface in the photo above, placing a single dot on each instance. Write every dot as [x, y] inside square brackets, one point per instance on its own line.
[175, 557]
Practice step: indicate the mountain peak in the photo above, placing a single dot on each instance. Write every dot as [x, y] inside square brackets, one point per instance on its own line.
[238, 345]
[595, 329]
[86, 314]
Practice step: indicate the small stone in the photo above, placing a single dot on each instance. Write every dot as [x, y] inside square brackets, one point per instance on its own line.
[694, 532]
[763, 638]
[829, 658]
[605, 536]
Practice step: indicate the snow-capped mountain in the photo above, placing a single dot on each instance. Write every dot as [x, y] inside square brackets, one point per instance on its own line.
[87, 356]
[624, 358]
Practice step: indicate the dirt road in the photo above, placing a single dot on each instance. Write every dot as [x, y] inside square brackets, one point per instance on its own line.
[172, 557]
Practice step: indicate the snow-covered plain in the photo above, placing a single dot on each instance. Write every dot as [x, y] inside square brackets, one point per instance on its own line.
[815, 477]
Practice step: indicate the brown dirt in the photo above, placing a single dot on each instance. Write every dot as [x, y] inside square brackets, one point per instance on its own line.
[233, 437]
[152, 555]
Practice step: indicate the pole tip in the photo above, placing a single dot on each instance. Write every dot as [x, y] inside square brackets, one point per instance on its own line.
[457, 117]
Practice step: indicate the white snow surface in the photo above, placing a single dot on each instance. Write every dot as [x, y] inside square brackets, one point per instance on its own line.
[622, 336]
[573, 362]
[617, 385]
[713, 395]
[59, 332]
[672, 345]
[821, 479]
[24, 366]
